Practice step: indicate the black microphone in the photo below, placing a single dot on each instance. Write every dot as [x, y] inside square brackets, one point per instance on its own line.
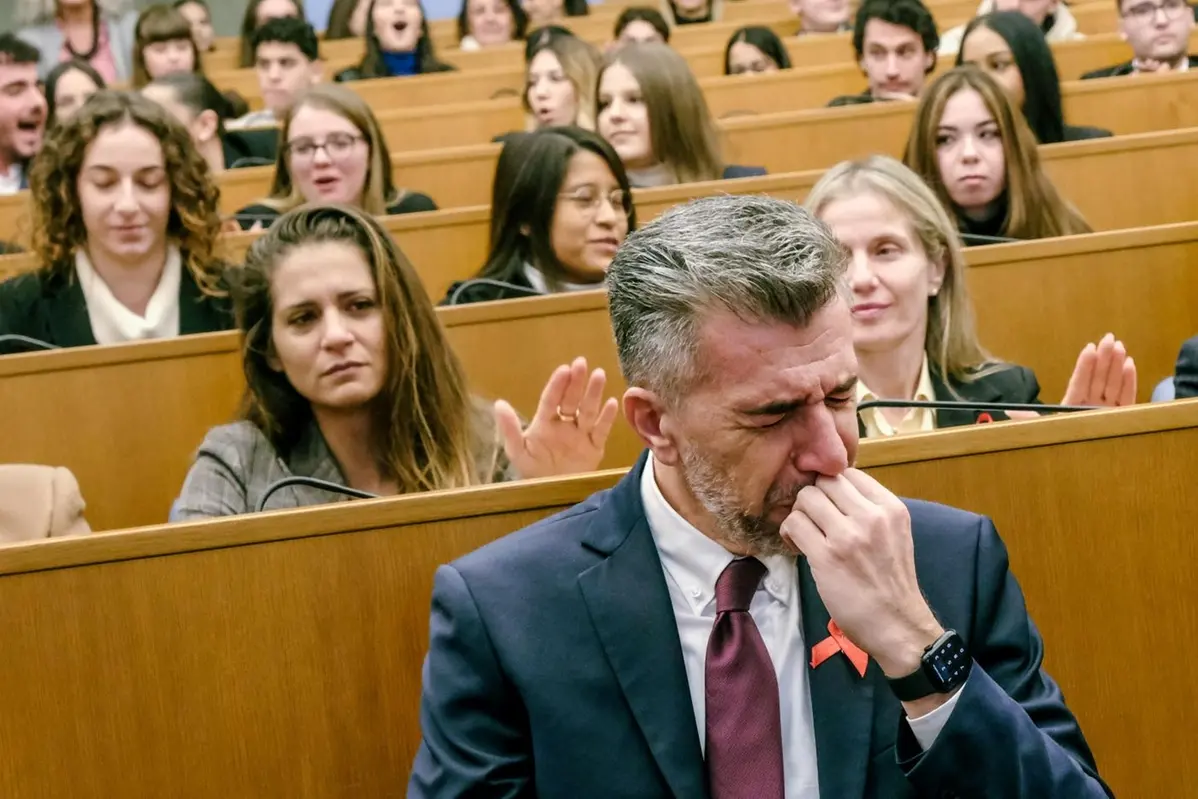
[979, 407]
[29, 343]
[979, 239]
[325, 485]
[487, 281]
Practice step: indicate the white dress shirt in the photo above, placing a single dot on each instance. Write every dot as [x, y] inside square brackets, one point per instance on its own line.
[692, 563]
[10, 181]
[112, 322]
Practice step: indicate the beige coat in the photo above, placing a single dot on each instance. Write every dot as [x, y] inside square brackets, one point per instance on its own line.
[39, 502]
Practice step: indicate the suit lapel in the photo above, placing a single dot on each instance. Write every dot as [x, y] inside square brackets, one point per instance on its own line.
[199, 313]
[981, 390]
[629, 605]
[66, 312]
[842, 704]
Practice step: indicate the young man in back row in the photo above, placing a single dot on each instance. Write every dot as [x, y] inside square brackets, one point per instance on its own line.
[22, 112]
[896, 43]
[287, 61]
[1158, 32]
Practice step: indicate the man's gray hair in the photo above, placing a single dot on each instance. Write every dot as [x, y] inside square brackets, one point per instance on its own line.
[758, 258]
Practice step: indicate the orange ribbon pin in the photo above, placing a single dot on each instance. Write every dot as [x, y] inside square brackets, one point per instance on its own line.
[837, 642]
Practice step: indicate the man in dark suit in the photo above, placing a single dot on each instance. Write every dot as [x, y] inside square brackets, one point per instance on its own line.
[1159, 34]
[1185, 378]
[663, 639]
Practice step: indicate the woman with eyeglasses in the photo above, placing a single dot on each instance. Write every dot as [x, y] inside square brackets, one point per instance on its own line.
[560, 208]
[333, 151]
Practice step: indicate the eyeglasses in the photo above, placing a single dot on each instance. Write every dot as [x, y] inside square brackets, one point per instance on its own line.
[1146, 12]
[589, 200]
[336, 146]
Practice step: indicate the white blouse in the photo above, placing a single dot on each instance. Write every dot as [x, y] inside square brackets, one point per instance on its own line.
[112, 322]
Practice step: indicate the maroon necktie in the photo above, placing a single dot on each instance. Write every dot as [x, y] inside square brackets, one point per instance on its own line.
[744, 722]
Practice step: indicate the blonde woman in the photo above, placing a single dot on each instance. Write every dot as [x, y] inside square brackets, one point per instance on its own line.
[651, 110]
[351, 380]
[333, 151]
[97, 32]
[560, 82]
[974, 148]
[913, 328]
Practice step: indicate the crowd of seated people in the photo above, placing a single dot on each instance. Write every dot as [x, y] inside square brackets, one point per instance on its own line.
[110, 121]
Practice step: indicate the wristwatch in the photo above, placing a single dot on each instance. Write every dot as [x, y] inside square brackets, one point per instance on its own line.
[943, 668]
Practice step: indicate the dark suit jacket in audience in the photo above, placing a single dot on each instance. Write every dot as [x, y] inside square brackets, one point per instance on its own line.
[466, 292]
[1010, 383]
[555, 669]
[1083, 132]
[852, 99]
[53, 310]
[1126, 68]
[412, 202]
[732, 172]
[247, 148]
[1185, 381]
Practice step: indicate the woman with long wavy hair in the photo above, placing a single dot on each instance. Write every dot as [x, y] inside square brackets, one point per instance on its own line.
[351, 380]
[125, 226]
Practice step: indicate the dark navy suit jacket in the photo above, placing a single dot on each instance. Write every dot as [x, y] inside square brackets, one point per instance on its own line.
[555, 670]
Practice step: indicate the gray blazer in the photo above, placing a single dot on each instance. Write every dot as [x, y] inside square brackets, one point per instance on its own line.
[48, 39]
[236, 465]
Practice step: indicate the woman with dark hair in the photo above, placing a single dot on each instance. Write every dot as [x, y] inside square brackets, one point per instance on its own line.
[397, 43]
[333, 152]
[350, 379]
[125, 226]
[1012, 49]
[971, 145]
[99, 32]
[692, 12]
[755, 49]
[551, 12]
[560, 207]
[163, 45]
[67, 87]
[641, 25]
[486, 23]
[347, 19]
[197, 104]
[200, 18]
[257, 14]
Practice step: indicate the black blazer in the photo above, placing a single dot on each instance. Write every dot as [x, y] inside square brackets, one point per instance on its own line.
[247, 148]
[53, 310]
[731, 172]
[1125, 68]
[1185, 381]
[1010, 384]
[412, 202]
[481, 289]
[1083, 132]
[852, 99]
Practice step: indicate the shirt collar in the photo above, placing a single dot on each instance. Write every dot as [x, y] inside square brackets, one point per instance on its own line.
[924, 390]
[693, 562]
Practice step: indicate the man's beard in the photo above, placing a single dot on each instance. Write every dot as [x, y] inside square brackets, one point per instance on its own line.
[741, 530]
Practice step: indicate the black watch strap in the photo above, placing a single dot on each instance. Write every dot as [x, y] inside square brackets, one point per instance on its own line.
[944, 667]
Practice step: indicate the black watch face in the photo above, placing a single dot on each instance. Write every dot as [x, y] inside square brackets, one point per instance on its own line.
[949, 663]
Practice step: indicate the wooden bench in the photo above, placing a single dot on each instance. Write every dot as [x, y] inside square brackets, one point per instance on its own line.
[149, 404]
[197, 660]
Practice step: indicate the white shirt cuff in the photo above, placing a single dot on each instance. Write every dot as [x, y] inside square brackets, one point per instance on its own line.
[928, 726]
